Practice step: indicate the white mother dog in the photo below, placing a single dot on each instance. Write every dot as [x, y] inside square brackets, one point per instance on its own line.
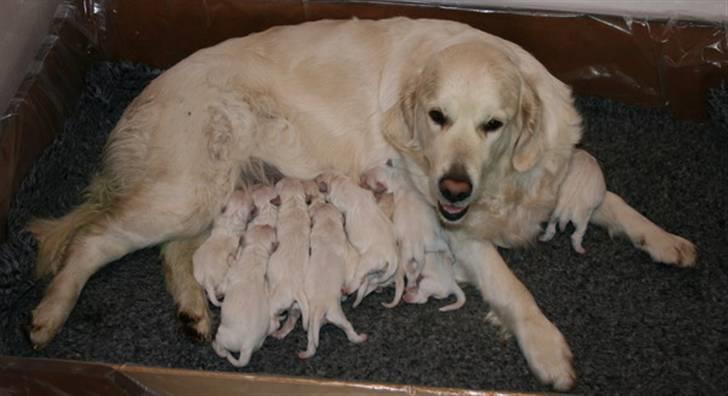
[485, 130]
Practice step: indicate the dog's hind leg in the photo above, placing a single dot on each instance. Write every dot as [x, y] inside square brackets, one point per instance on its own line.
[181, 284]
[336, 316]
[620, 218]
[145, 217]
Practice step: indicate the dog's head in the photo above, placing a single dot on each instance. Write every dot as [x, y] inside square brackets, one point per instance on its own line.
[468, 114]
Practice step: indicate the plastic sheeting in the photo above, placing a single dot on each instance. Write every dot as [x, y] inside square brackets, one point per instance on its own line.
[650, 62]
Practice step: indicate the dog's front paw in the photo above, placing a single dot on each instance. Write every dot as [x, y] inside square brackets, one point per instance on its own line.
[547, 353]
[671, 249]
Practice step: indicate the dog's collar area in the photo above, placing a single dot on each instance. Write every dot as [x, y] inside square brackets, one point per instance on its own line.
[452, 213]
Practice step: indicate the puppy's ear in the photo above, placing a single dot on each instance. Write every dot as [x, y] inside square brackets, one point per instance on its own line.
[323, 187]
[529, 143]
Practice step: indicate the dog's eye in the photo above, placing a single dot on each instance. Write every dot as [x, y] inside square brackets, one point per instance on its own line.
[438, 117]
[491, 125]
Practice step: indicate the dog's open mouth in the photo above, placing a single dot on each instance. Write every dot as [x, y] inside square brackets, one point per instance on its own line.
[451, 212]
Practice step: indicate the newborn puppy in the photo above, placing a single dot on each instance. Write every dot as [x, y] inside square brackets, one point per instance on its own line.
[266, 203]
[416, 226]
[245, 318]
[313, 195]
[330, 266]
[582, 191]
[286, 267]
[438, 279]
[213, 258]
[369, 231]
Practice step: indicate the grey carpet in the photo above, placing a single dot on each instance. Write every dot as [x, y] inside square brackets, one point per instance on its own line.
[635, 327]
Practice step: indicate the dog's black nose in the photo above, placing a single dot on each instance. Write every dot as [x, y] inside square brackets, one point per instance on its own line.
[455, 186]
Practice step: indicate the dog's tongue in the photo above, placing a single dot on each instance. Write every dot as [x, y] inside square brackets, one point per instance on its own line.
[452, 209]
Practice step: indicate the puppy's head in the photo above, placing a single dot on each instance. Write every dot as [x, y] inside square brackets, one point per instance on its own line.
[289, 188]
[467, 114]
[264, 235]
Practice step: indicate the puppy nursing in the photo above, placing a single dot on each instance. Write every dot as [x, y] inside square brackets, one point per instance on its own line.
[485, 132]
[437, 280]
[416, 227]
[329, 269]
[213, 258]
[287, 265]
[246, 319]
[368, 229]
[581, 193]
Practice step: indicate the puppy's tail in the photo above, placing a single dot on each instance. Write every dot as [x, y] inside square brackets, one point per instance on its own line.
[242, 360]
[212, 295]
[302, 300]
[54, 236]
[398, 289]
[458, 303]
[315, 322]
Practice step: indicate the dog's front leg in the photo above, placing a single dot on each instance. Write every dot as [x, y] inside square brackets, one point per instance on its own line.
[544, 347]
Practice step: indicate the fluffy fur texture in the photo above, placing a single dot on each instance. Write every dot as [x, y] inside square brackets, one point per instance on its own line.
[461, 105]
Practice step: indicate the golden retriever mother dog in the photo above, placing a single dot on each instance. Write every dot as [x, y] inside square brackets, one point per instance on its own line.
[486, 134]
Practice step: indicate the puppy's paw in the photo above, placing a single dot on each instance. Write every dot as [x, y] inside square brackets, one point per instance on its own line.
[671, 249]
[495, 321]
[547, 353]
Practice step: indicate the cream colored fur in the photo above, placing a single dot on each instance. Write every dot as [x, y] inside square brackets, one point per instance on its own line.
[245, 318]
[212, 260]
[319, 97]
[580, 194]
[329, 269]
[288, 264]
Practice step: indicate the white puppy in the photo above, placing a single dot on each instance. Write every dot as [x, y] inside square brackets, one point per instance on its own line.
[313, 194]
[369, 231]
[582, 191]
[286, 267]
[330, 266]
[416, 226]
[245, 318]
[438, 279]
[266, 203]
[213, 258]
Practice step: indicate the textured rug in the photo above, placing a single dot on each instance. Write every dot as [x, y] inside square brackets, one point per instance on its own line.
[634, 326]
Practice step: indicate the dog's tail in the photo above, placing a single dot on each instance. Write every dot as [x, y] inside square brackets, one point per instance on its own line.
[54, 236]
[458, 303]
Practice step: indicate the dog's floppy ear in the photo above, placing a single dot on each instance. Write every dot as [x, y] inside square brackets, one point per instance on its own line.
[399, 120]
[529, 143]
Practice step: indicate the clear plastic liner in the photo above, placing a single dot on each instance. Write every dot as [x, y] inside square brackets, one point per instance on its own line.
[662, 62]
